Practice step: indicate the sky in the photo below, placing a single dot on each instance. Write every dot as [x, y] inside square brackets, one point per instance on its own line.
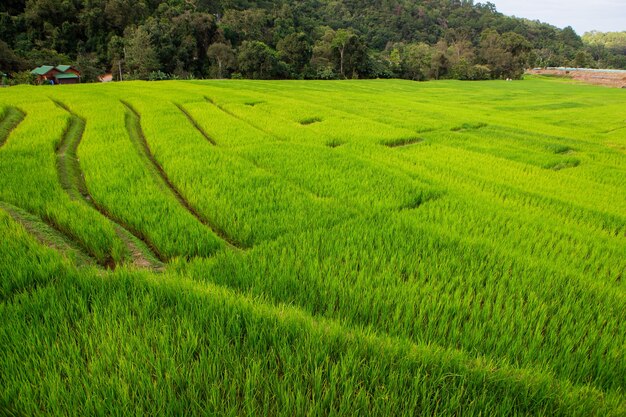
[582, 15]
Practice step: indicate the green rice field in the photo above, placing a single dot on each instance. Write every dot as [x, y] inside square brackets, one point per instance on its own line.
[305, 248]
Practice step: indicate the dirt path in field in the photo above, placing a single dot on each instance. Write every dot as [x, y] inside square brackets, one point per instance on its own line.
[133, 125]
[12, 118]
[606, 78]
[72, 180]
[50, 235]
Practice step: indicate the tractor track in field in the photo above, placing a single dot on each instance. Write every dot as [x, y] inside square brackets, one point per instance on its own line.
[135, 132]
[256, 164]
[313, 195]
[195, 124]
[52, 236]
[11, 119]
[143, 254]
[236, 116]
[392, 144]
[309, 193]
[614, 130]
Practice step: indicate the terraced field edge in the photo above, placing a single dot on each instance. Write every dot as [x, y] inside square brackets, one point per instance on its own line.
[133, 125]
[11, 119]
[72, 181]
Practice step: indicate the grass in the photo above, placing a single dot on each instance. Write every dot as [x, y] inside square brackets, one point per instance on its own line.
[468, 126]
[394, 143]
[9, 120]
[300, 248]
[72, 180]
[310, 120]
[49, 236]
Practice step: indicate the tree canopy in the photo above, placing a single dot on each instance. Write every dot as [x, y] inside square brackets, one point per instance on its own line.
[413, 39]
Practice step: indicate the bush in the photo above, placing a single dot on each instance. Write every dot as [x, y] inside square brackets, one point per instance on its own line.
[463, 70]
[481, 72]
[22, 77]
[158, 76]
[326, 73]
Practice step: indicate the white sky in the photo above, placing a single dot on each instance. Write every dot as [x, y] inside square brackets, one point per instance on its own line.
[582, 15]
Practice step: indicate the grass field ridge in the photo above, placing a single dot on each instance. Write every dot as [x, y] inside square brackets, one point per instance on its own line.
[70, 175]
[137, 136]
[195, 124]
[11, 118]
[561, 396]
[236, 116]
[72, 180]
[611, 224]
[304, 189]
[475, 273]
[50, 235]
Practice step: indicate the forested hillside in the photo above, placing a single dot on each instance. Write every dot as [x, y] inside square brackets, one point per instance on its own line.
[318, 39]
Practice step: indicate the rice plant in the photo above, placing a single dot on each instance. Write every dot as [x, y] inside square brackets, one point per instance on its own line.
[377, 247]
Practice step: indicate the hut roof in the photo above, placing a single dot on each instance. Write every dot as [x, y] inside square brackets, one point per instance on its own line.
[42, 70]
[66, 75]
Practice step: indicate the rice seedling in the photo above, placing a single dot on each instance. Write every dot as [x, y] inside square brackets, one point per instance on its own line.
[376, 247]
[9, 119]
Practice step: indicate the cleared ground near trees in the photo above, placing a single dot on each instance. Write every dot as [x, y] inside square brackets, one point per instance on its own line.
[313, 248]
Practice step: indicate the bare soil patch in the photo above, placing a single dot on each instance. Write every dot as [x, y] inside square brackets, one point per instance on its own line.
[606, 78]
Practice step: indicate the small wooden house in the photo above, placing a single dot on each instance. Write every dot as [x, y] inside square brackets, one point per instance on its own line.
[61, 74]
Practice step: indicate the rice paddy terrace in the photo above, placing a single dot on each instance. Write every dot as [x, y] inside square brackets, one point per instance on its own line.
[313, 248]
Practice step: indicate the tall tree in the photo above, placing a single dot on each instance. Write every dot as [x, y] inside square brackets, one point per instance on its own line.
[9, 61]
[341, 41]
[141, 57]
[223, 58]
[416, 61]
[296, 51]
[250, 24]
[315, 38]
[506, 54]
[258, 61]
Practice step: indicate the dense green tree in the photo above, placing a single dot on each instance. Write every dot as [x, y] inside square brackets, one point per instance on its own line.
[613, 42]
[569, 37]
[89, 66]
[416, 61]
[124, 13]
[222, 57]
[583, 59]
[12, 6]
[341, 42]
[242, 25]
[35, 56]
[295, 50]
[183, 38]
[284, 23]
[307, 38]
[440, 61]
[258, 61]
[140, 55]
[115, 55]
[322, 60]
[8, 28]
[9, 61]
[506, 54]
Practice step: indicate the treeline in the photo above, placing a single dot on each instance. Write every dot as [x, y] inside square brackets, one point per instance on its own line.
[606, 49]
[303, 39]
